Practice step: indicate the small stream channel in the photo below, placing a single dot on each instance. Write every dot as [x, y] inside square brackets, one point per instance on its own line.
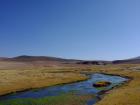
[80, 88]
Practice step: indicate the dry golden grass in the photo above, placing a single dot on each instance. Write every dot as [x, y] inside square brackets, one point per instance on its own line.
[17, 80]
[128, 94]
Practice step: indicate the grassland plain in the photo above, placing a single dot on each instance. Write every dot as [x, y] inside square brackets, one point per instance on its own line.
[128, 94]
[18, 80]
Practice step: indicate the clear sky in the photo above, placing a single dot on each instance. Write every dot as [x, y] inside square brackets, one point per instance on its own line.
[81, 29]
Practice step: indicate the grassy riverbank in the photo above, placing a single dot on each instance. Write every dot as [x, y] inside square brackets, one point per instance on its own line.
[128, 94]
[18, 80]
[66, 99]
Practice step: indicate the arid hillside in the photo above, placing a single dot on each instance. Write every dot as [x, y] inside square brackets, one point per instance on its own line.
[45, 61]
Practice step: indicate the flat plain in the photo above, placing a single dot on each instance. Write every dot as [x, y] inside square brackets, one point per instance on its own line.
[23, 77]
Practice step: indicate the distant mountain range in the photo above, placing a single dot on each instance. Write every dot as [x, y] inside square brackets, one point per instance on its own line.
[135, 60]
[136, 57]
[25, 58]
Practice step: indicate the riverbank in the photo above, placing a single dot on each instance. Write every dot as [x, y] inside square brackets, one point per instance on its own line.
[41, 96]
[19, 80]
[128, 94]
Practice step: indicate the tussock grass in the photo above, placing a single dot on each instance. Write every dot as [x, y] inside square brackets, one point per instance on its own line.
[18, 80]
[128, 94]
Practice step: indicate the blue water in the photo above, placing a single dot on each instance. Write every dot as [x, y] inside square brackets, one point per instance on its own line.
[80, 88]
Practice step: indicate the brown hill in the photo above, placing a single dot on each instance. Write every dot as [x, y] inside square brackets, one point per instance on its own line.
[45, 61]
[35, 61]
[135, 60]
[25, 58]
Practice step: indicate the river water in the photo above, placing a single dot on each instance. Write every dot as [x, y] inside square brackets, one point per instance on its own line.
[80, 88]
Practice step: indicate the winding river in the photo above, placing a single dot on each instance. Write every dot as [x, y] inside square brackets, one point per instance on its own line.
[80, 88]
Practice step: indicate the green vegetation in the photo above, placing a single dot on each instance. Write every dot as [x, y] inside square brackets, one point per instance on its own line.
[64, 99]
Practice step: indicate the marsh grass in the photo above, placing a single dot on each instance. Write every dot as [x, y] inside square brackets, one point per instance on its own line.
[19, 80]
[63, 99]
[12, 80]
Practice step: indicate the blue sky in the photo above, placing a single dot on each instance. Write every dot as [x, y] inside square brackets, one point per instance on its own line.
[80, 29]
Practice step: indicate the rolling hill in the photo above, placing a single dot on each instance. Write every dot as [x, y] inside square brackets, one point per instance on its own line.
[135, 60]
[46, 61]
